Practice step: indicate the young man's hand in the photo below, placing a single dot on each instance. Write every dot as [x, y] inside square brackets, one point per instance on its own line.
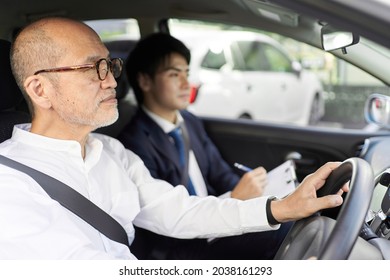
[251, 184]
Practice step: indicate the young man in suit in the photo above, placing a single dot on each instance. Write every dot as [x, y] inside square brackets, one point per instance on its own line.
[157, 69]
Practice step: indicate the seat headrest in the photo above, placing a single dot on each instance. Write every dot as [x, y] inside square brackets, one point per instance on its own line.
[121, 49]
[10, 94]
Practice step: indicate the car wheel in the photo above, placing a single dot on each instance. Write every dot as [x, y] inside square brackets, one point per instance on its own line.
[321, 237]
[315, 113]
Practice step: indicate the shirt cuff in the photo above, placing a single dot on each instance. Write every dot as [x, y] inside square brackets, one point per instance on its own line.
[253, 215]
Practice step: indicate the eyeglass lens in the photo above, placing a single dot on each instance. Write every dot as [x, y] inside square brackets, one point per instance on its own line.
[115, 66]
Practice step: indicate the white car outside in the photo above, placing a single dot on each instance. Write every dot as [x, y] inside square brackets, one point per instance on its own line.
[240, 74]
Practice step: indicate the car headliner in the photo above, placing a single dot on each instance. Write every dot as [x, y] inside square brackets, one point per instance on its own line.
[346, 14]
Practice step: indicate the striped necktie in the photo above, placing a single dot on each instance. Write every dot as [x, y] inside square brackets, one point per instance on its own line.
[176, 134]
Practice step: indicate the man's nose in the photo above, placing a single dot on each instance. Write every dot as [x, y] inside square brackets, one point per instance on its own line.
[109, 81]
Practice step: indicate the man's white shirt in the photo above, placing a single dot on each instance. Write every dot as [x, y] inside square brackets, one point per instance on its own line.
[34, 226]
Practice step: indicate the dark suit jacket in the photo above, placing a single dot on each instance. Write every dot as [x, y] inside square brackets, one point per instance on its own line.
[144, 137]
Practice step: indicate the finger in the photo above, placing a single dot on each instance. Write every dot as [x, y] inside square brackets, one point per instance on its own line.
[345, 188]
[255, 175]
[259, 170]
[261, 181]
[319, 177]
[329, 201]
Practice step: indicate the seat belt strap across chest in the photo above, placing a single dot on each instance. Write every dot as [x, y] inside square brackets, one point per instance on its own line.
[74, 202]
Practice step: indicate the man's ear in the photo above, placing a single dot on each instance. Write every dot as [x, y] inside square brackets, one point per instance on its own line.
[34, 86]
[144, 82]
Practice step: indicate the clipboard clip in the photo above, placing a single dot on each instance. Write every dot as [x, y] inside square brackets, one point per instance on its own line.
[290, 174]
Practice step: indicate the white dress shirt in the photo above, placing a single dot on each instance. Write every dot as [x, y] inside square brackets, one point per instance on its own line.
[33, 226]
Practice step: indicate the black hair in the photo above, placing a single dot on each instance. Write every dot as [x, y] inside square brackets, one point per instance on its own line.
[148, 55]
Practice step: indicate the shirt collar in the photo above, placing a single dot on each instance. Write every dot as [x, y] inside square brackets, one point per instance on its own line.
[94, 147]
[165, 125]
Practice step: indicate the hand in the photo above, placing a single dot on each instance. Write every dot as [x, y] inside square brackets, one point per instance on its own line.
[303, 202]
[251, 184]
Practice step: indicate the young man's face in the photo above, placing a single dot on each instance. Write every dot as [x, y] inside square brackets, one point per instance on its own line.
[169, 90]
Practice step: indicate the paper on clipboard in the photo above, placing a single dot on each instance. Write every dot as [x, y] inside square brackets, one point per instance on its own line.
[282, 180]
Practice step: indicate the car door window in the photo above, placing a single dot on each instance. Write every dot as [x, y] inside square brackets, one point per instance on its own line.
[253, 56]
[214, 59]
[278, 61]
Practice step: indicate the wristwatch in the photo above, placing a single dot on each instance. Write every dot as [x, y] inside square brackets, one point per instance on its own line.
[271, 219]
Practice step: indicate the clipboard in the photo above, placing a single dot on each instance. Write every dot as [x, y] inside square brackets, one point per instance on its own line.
[282, 180]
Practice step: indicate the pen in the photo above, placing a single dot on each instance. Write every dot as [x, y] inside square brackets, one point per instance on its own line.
[242, 167]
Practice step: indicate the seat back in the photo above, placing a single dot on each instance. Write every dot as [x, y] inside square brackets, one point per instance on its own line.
[10, 95]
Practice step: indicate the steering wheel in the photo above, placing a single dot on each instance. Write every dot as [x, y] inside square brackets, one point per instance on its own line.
[322, 237]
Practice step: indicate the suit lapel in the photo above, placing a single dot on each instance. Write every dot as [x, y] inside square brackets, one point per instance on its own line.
[160, 141]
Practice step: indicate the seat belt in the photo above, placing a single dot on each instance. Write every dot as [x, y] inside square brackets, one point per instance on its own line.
[74, 202]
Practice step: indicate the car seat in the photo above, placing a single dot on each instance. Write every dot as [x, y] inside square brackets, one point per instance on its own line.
[10, 95]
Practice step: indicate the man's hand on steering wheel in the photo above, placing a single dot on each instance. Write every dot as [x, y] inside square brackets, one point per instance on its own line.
[317, 235]
[304, 202]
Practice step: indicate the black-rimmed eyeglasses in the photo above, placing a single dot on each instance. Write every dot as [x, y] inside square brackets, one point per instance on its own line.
[102, 66]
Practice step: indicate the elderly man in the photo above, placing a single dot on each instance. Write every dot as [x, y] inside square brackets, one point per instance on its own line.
[67, 77]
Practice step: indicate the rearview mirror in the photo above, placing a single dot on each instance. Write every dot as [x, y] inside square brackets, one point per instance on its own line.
[377, 110]
[333, 39]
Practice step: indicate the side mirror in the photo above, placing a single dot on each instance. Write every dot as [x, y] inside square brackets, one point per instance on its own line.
[297, 68]
[333, 39]
[377, 110]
